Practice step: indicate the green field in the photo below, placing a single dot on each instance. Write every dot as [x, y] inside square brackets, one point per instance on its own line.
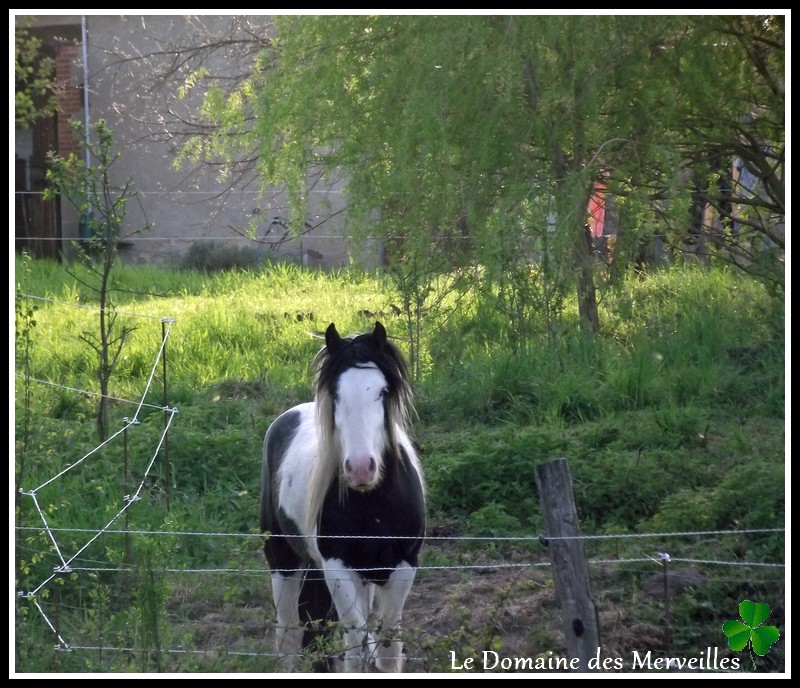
[672, 421]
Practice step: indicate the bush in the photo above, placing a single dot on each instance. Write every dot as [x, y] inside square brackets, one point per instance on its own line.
[211, 256]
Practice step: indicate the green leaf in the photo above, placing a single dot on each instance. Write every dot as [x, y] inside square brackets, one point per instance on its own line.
[763, 638]
[754, 614]
[738, 641]
[731, 628]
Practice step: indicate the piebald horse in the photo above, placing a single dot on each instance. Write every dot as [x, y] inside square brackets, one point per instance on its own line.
[343, 506]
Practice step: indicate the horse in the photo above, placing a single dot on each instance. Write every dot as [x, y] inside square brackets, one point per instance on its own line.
[343, 494]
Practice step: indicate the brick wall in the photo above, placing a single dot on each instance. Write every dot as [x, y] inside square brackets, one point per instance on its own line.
[70, 99]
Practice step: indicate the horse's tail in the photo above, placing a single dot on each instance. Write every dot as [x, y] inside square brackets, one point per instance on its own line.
[318, 616]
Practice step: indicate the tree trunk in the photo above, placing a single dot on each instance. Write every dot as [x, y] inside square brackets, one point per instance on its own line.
[584, 267]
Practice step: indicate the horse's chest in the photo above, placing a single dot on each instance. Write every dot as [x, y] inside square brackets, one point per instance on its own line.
[372, 532]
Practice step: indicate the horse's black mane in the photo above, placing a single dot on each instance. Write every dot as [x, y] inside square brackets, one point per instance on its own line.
[363, 349]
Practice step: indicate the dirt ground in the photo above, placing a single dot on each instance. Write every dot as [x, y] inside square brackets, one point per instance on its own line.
[501, 608]
[502, 612]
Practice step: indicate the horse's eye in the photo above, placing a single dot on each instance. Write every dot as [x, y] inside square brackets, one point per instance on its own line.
[384, 393]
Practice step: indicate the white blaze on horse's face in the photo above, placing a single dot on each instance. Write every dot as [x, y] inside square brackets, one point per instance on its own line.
[360, 427]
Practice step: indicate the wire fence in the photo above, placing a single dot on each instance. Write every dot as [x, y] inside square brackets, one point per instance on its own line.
[534, 559]
[53, 614]
[70, 561]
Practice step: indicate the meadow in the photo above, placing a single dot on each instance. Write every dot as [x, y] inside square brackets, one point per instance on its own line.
[672, 421]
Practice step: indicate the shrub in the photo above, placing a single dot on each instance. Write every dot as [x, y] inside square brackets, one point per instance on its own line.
[211, 256]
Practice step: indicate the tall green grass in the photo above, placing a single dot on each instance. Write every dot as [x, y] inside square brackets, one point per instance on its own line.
[691, 348]
[672, 419]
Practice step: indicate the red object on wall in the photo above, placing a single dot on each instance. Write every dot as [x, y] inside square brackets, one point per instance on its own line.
[597, 210]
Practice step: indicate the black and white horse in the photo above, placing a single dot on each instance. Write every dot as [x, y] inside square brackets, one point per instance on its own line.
[343, 504]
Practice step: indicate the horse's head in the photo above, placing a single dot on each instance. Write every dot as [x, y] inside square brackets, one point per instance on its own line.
[363, 396]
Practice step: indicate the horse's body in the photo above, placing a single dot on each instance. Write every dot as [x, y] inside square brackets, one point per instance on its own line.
[343, 504]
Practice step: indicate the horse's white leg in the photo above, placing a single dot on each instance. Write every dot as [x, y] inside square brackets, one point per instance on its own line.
[390, 599]
[351, 597]
[289, 632]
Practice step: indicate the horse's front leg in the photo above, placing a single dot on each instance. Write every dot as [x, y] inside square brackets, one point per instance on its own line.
[351, 596]
[390, 598]
[288, 633]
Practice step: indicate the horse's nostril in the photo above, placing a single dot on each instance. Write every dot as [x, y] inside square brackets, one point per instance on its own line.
[347, 465]
[372, 464]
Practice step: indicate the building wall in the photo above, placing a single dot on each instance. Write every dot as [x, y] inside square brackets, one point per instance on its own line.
[133, 84]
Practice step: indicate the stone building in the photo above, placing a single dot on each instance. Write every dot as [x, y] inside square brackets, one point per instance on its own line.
[132, 71]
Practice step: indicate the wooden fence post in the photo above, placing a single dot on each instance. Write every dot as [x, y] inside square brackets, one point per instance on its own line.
[570, 570]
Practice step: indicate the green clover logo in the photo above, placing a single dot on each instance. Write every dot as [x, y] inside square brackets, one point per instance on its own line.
[760, 638]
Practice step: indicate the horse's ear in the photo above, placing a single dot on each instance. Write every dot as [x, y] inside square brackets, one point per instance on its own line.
[379, 336]
[332, 338]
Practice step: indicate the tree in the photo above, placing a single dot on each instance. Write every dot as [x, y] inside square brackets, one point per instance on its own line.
[102, 208]
[442, 135]
[35, 94]
[733, 114]
[479, 140]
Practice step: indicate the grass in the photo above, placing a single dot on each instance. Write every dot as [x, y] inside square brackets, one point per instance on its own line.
[672, 420]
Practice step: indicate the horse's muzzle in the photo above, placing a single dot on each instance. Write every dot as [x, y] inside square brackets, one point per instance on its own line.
[361, 473]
